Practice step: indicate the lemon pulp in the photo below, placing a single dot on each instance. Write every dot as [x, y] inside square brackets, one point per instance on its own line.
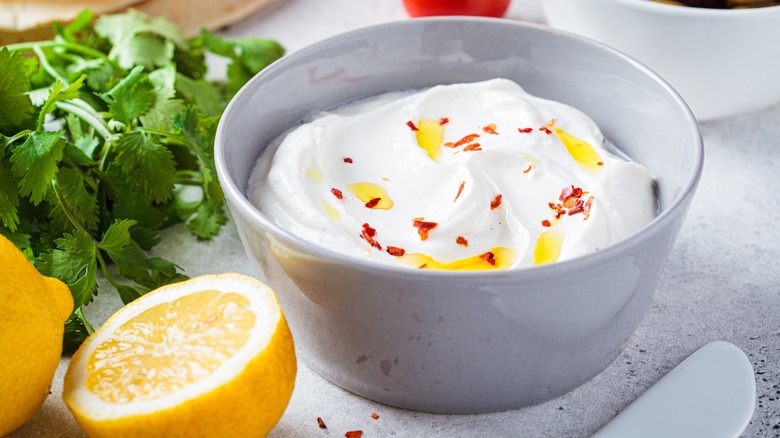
[169, 346]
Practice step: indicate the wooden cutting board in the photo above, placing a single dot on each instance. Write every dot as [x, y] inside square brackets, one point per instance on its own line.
[190, 15]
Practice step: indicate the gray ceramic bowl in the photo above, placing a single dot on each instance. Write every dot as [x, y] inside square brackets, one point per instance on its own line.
[462, 342]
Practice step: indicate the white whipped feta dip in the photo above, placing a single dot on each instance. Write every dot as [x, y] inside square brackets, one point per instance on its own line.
[461, 177]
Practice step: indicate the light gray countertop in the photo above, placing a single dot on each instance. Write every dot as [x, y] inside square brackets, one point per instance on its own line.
[722, 281]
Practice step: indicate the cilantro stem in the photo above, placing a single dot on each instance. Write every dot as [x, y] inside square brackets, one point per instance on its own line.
[87, 116]
[80, 227]
[18, 135]
[83, 319]
[104, 268]
[68, 212]
[183, 140]
[48, 67]
[73, 47]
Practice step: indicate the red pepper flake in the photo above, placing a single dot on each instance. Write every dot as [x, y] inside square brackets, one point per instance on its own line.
[579, 207]
[600, 163]
[395, 251]
[444, 120]
[472, 147]
[374, 416]
[467, 139]
[490, 129]
[422, 266]
[489, 257]
[546, 130]
[528, 169]
[348, 160]
[423, 227]
[354, 434]
[554, 206]
[546, 223]
[368, 234]
[525, 130]
[411, 126]
[373, 202]
[496, 202]
[570, 192]
[559, 213]
[462, 241]
[337, 193]
[321, 423]
[587, 207]
[551, 122]
[460, 190]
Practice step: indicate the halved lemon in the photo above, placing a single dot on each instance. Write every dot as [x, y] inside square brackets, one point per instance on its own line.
[210, 356]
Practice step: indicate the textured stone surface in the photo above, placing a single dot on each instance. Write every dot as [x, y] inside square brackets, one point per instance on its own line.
[721, 283]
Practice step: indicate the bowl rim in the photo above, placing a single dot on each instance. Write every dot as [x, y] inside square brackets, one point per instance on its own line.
[240, 200]
[691, 11]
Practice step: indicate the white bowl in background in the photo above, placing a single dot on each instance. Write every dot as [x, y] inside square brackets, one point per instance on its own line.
[722, 61]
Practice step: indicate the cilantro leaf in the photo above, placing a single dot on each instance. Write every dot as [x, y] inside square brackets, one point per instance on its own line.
[82, 150]
[57, 94]
[131, 203]
[208, 219]
[131, 97]
[132, 262]
[165, 107]
[150, 164]
[248, 55]
[35, 162]
[73, 262]
[75, 334]
[9, 200]
[81, 204]
[139, 40]
[16, 110]
[202, 94]
[129, 293]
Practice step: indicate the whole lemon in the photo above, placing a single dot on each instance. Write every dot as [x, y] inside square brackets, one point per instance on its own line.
[34, 311]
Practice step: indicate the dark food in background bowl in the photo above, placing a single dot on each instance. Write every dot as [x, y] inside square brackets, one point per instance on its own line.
[722, 4]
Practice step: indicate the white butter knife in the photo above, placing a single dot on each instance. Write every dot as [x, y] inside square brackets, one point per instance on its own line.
[710, 394]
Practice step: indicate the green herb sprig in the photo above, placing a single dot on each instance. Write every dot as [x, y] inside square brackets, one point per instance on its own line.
[106, 137]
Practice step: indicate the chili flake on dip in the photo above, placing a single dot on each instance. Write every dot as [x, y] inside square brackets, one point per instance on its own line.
[473, 176]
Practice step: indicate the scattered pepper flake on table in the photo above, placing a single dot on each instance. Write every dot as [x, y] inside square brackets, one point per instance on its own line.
[354, 434]
[321, 423]
[348, 160]
[411, 126]
[528, 169]
[546, 130]
[337, 193]
[525, 130]
[444, 120]
[473, 147]
[462, 241]
[374, 415]
[546, 223]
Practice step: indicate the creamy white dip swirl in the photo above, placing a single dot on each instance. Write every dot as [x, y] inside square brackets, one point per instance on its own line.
[509, 180]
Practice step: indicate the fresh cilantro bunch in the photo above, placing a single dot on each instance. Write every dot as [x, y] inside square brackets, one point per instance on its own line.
[106, 137]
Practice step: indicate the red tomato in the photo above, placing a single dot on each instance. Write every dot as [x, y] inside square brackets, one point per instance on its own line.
[486, 8]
